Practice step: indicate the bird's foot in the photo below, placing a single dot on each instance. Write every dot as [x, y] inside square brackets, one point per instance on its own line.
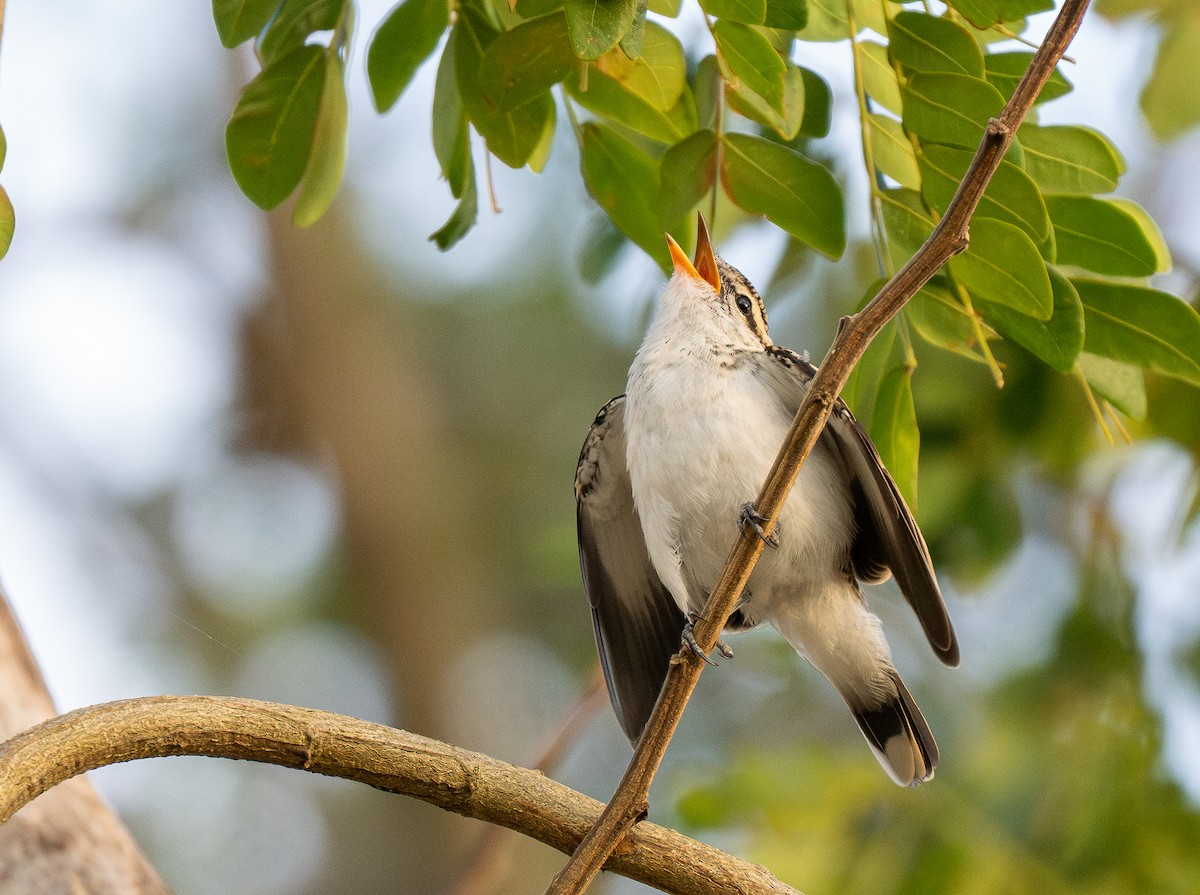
[689, 640]
[750, 519]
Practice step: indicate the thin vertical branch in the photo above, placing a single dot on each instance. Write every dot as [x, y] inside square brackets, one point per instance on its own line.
[949, 237]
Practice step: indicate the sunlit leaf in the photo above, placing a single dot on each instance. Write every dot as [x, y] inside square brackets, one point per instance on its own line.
[658, 76]
[893, 151]
[1141, 326]
[796, 194]
[868, 14]
[668, 8]
[746, 57]
[3, 148]
[940, 319]
[403, 40]
[270, 134]
[1171, 98]
[785, 120]
[239, 20]
[327, 159]
[985, 13]
[624, 182]
[752, 12]
[524, 62]
[826, 21]
[1005, 70]
[1070, 159]
[1011, 195]
[8, 222]
[596, 26]
[1101, 236]
[1122, 385]
[462, 220]
[879, 78]
[790, 15]
[922, 42]
[1150, 231]
[1056, 341]
[686, 174]
[296, 20]
[1003, 265]
[949, 108]
[894, 430]
[611, 100]
[633, 41]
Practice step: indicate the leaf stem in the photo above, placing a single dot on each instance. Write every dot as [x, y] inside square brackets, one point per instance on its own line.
[980, 336]
[1092, 403]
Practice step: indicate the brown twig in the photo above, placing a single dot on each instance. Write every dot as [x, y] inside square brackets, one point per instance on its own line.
[466, 783]
[629, 802]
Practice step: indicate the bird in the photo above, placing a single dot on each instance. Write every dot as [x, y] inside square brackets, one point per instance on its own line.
[665, 478]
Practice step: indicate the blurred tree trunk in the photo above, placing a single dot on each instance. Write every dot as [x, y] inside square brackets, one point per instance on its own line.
[67, 840]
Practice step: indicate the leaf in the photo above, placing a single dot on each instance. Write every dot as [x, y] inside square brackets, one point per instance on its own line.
[1145, 327]
[818, 105]
[1150, 230]
[863, 385]
[624, 182]
[631, 44]
[1005, 70]
[746, 58]
[879, 78]
[8, 222]
[751, 12]
[1171, 98]
[295, 21]
[940, 319]
[949, 108]
[1056, 341]
[922, 42]
[1099, 235]
[596, 26]
[512, 135]
[1121, 385]
[607, 98]
[531, 9]
[462, 220]
[826, 21]
[687, 172]
[790, 15]
[668, 8]
[3, 148]
[907, 223]
[658, 76]
[985, 13]
[239, 20]
[1003, 265]
[526, 61]
[1070, 159]
[787, 121]
[1011, 195]
[403, 40]
[894, 430]
[451, 135]
[270, 134]
[893, 151]
[796, 194]
[327, 159]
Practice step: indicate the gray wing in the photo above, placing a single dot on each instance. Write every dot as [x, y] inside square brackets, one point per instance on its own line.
[635, 619]
[888, 539]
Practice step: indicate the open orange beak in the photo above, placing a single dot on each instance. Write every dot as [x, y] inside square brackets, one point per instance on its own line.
[705, 266]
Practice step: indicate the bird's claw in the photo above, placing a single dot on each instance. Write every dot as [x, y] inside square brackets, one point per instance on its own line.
[689, 640]
[750, 519]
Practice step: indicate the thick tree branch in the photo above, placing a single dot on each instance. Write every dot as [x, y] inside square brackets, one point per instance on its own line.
[464, 782]
[629, 802]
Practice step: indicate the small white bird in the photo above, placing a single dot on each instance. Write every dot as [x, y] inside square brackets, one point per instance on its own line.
[663, 482]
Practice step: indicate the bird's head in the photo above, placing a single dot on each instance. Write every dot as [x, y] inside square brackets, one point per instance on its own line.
[716, 292]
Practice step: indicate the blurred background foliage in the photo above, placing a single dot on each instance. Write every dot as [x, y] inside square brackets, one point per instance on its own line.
[333, 467]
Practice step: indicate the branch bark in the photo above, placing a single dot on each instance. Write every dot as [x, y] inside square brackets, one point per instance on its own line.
[457, 780]
[630, 801]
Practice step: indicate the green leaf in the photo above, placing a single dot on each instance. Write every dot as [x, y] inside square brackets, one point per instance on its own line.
[796, 194]
[1003, 265]
[790, 15]
[327, 160]
[1070, 159]
[786, 121]
[1056, 341]
[631, 44]
[868, 14]
[607, 98]
[949, 108]
[686, 174]
[512, 135]
[462, 220]
[8, 222]
[239, 20]
[526, 61]
[1141, 326]
[1121, 385]
[668, 8]
[752, 12]
[894, 430]
[658, 76]
[1011, 195]
[1099, 235]
[928, 43]
[826, 21]
[746, 58]
[985, 13]
[531, 9]
[270, 135]
[893, 151]
[296, 20]
[1150, 231]
[3, 148]
[879, 78]
[907, 222]
[403, 40]
[940, 319]
[624, 182]
[451, 135]
[1005, 70]
[596, 26]
[818, 105]
[1171, 98]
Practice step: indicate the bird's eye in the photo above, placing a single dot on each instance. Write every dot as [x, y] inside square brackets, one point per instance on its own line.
[743, 304]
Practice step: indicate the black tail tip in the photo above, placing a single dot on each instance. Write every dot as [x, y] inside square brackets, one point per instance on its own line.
[900, 738]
